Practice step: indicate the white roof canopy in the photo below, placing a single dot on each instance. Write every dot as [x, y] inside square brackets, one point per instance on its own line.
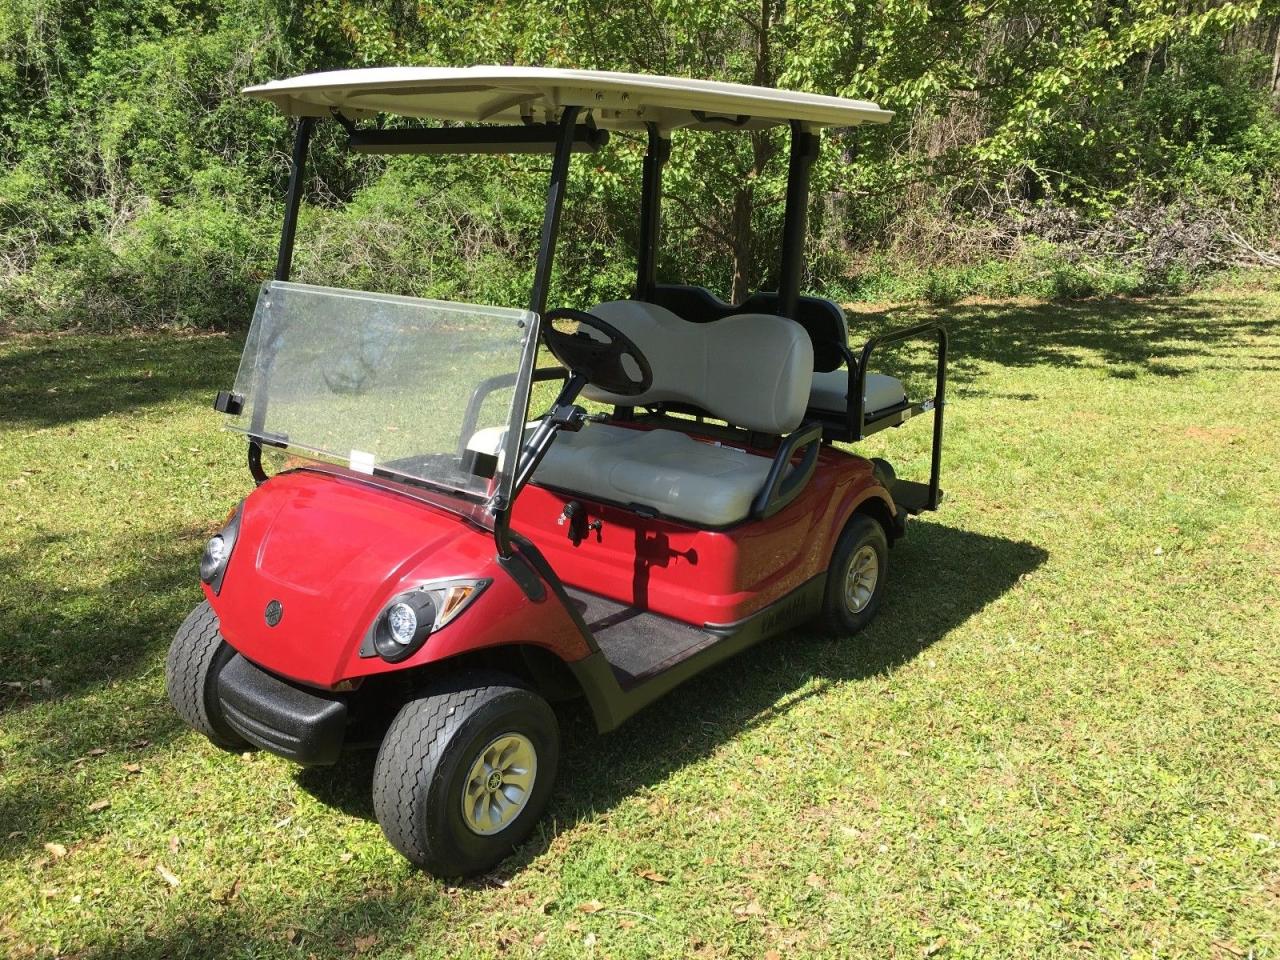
[513, 95]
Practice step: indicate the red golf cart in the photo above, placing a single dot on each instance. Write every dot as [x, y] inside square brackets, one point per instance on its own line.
[442, 553]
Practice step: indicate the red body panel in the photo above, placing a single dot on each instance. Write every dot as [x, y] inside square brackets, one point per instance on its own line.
[334, 549]
[702, 576]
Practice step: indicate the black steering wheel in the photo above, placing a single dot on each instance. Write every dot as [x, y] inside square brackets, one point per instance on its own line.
[614, 364]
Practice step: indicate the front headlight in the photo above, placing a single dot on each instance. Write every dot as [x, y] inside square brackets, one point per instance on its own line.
[407, 621]
[402, 623]
[213, 562]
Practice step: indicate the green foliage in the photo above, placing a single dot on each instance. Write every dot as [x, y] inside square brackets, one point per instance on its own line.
[138, 189]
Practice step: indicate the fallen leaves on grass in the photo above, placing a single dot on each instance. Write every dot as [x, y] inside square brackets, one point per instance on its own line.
[745, 911]
[55, 850]
[590, 906]
[99, 805]
[934, 947]
[167, 875]
[653, 876]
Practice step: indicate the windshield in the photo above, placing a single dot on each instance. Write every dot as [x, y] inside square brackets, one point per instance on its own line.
[387, 385]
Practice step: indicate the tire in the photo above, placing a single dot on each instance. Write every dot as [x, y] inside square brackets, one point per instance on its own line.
[844, 614]
[196, 657]
[425, 763]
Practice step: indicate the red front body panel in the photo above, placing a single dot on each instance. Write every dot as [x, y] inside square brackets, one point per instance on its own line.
[334, 549]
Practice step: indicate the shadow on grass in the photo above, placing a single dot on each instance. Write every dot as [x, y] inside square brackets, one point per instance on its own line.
[67, 646]
[941, 577]
[1121, 334]
[48, 381]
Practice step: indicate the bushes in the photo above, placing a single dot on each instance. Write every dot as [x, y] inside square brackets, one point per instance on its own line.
[137, 188]
[191, 263]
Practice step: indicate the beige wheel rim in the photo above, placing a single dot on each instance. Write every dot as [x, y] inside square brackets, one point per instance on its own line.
[499, 784]
[861, 578]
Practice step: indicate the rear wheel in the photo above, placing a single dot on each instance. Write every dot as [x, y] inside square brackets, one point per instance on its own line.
[856, 577]
[196, 657]
[465, 772]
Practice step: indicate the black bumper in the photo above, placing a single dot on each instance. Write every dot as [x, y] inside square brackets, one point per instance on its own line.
[300, 724]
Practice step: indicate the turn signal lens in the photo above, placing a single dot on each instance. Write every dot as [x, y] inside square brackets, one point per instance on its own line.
[452, 602]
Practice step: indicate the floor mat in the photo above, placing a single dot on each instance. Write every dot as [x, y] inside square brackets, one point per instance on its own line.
[637, 644]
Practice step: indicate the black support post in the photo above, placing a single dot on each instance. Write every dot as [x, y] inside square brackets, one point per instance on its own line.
[551, 212]
[293, 199]
[538, 297]
[804, 150]
[655, 158]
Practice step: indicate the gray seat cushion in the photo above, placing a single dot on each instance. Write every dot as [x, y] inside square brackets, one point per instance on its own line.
[686, 479]
[830, 391]
[750, 369]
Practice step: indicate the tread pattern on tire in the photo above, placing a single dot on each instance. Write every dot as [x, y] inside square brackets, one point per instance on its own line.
[186, 668]
[411, 754]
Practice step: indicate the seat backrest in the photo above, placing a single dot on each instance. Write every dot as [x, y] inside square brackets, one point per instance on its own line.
[752, 370]
[822, 319]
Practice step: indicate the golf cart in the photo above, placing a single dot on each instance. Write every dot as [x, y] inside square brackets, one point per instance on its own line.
[439, 557]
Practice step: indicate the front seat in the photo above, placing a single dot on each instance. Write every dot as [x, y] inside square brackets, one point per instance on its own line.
[750, 370]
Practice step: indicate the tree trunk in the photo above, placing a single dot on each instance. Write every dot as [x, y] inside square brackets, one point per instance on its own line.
[762, 149]
[1275, 62]
[743, 198]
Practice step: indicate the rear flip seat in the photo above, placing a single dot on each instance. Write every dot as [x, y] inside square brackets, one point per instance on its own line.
[830, 393]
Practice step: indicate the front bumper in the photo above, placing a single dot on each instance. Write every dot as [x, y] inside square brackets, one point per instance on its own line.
[297, 723]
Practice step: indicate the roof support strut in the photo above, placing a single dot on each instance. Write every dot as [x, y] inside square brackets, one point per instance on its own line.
[551, 212]
[804, 150]
[541, 286]
[655, 158]
[293, 199]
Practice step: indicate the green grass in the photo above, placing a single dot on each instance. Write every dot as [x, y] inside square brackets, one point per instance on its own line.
[1060, 738]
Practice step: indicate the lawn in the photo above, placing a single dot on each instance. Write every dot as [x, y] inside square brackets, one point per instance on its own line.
[1060, 738]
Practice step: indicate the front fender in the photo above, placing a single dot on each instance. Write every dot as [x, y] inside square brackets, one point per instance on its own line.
[333, 551]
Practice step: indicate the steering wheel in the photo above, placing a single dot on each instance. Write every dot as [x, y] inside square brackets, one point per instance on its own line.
[614, 364]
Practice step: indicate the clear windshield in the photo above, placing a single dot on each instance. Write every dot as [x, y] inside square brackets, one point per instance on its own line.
[390, 385]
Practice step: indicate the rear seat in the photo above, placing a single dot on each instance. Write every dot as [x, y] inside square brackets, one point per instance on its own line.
[830, 393]
[822, 319]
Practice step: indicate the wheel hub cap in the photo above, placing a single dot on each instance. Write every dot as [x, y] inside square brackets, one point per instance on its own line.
[860, 581]
[499, 783]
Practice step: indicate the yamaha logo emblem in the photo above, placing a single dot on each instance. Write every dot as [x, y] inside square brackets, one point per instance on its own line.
[275, 610]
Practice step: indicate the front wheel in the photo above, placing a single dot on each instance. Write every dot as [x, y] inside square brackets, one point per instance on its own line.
[465, 772]
[856, 577]
[196, 657]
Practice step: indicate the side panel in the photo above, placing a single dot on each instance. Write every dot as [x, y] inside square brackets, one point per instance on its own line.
[701, 576]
